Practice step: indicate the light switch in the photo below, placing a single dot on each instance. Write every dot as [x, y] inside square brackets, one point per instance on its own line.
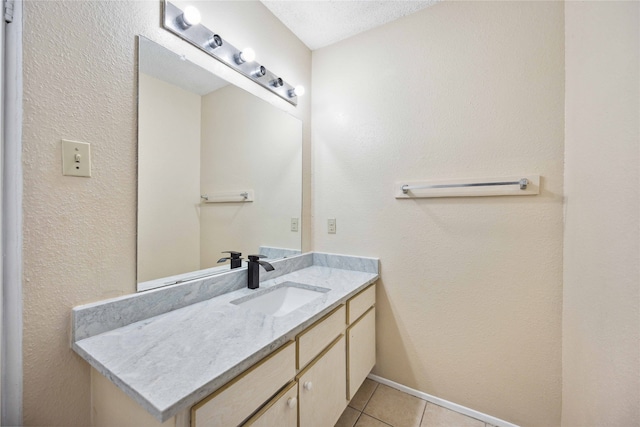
[331, 225]
[76, 158]
[294, 224]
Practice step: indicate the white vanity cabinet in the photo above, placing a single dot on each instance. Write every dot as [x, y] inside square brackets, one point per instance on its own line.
[313, 340]
[321, 387]
[323, 370]
[361, 338]
[315, 397]
[237, 400]
[281, 411]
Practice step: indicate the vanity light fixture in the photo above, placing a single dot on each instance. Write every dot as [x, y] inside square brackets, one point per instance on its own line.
[260, 71]
[247, 55]
[214, 42]
[297, 91]
[186, 25]
[190, 16]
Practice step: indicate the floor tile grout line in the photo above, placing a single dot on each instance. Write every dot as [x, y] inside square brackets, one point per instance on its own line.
[423, 411]
[378, 419]
[369, 398]
[357, 419]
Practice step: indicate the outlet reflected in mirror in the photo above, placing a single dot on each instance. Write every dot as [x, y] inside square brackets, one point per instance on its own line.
[202, 142]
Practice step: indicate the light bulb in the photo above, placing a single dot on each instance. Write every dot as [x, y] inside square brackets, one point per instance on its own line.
[297, 91]
[247, 55]
[191, 16]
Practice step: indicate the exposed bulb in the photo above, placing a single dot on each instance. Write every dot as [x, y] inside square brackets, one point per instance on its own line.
[190, 16]
[297, 91]
[247, 55]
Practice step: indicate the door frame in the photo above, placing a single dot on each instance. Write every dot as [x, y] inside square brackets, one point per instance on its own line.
[11, 369]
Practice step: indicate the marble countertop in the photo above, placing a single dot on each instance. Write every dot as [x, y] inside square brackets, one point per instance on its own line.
[171, 361]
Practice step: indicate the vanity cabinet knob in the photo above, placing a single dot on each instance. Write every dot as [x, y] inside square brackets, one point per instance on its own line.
[291, 403]
[308, 385]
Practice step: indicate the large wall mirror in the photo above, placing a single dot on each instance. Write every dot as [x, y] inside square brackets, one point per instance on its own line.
[219, 169]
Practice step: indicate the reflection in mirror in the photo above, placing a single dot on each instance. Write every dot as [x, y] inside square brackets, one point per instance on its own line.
[202, 142]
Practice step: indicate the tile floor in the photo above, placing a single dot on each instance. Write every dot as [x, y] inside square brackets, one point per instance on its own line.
[377, 405]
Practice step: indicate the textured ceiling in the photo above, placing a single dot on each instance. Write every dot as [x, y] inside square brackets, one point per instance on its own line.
[321, 23]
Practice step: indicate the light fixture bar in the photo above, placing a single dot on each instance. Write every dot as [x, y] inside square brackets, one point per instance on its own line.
[203, 38]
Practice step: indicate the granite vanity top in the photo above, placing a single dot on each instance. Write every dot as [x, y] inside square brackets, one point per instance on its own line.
[194, 340]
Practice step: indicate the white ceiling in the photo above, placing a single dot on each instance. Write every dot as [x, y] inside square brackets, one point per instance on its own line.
[321, 23]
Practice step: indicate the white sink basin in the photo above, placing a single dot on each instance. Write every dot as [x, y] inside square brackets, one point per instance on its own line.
[281, 299]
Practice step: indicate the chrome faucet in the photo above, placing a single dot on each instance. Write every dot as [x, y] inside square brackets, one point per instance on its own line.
[253, 270]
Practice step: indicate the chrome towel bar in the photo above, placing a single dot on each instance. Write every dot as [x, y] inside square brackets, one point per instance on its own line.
[522, 183]
[514, 185]
[228, 197]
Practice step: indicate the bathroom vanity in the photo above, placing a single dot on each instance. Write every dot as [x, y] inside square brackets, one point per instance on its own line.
[213, 353]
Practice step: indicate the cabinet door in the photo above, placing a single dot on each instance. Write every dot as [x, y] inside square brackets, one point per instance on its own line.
[361, 351]
[321, 387]
[282, 411]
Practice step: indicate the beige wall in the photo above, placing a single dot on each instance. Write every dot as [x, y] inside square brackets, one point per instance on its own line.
[248, 145]
[470, 298]
[601, 308]
[79, 233]
[168, 217]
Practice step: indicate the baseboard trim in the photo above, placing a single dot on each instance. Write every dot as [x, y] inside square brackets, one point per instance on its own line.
[444, 403]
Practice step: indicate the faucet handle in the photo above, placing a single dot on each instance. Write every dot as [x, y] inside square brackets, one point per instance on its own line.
[234, 258]
[233, 254]
[264, 264]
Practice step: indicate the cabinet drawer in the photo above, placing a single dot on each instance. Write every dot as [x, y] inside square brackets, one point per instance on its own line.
[313, 340]
[359, 304]
[281, 411]
[234, 402]
[361, 351]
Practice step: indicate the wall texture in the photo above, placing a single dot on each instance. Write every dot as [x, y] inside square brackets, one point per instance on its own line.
[80, 234]
[168, 179]
[471, 289]
[601, 306]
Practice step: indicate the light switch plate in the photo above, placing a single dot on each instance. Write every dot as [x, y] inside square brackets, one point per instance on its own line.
[76, 158]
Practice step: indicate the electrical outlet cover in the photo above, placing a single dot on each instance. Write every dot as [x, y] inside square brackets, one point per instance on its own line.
[331, 225]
